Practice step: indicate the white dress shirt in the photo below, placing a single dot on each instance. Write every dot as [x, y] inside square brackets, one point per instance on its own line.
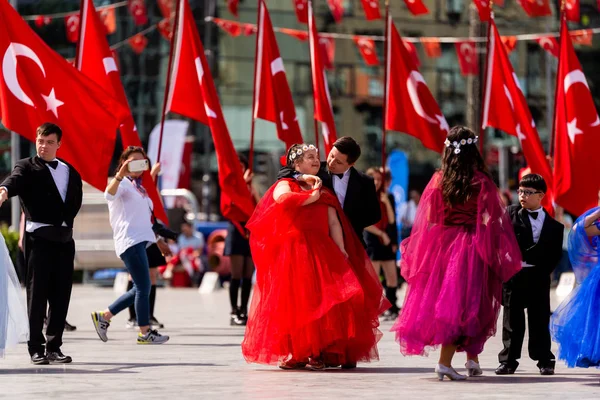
[340, 186]
[130, 216]
[536, 226]
[60, 175]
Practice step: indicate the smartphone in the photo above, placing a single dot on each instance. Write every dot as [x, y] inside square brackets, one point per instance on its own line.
[138, 165]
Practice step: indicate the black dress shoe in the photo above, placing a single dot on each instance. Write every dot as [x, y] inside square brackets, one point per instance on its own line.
[505, 369]
[546, 371]
[57, 357]
[69, 327]
[350, 365]
[39, 359]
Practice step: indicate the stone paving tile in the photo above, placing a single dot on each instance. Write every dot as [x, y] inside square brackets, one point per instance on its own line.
[203, 360]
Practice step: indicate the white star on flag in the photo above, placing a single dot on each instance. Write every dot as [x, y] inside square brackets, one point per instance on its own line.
[573, 130]
[52, 103]
[520, 133]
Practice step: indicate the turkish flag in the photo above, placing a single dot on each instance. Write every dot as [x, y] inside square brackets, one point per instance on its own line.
[577, 134]
[483, 9]
[109, 19]
[321, 97]
[412, 50]
[38, 85]
[300, 35]
[367, 50]
[509, 42]
[138, 43]
[583, 37]
[549, 44]
[410, 107]
[505, 108]
[193, 95]
[468, 60]
[165, 28]
[42, 20]
[572, 10]
[432, 47]
[72, 27]
[231, 27]
[416, 7]
[96, 60]
[138, 10]
[232, 5]
[301, 8]
[371, 8]
[536, 8]
[337, 10]
[167, 7]
[248, 29]
[274, 100]
[327, 46]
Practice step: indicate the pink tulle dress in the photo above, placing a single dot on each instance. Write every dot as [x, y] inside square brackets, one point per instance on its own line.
[455, 262]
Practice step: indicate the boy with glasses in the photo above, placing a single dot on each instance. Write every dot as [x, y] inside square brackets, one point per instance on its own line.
[540, 239]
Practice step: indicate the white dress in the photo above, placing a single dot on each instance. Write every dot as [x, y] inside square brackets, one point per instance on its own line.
[14, 324]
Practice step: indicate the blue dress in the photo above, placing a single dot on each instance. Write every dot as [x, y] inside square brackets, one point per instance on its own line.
[575, 325]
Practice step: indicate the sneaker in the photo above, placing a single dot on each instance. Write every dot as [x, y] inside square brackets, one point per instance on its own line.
[131, 324]
[101, 325]
[152, 337]
[155, 324]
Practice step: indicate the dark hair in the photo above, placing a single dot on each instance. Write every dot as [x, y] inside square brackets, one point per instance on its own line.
[47, 129]
[534, 181]
[348, 146]
[129, 150]
[289, 161]
[459, 164]
[243, 160]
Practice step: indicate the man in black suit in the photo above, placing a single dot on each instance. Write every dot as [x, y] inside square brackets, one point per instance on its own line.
[50, 191]
[355, 190]
[540, 238]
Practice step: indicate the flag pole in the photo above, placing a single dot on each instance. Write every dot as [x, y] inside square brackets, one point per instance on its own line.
[176, 28]
[553, 132]
[15, 155]
[385, 86]
[485, 82]
[311, 17]
[259, 17]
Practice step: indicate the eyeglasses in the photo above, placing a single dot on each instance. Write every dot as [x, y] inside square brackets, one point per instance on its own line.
[527, 193]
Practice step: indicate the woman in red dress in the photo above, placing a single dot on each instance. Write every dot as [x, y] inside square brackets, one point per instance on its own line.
[317, 299]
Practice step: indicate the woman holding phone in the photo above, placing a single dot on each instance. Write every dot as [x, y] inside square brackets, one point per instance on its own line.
[130, 211]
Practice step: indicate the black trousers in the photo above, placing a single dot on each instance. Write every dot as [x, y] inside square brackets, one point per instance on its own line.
[529, 289]
[49, 282]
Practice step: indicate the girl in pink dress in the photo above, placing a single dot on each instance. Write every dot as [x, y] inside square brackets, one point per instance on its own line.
[462, 247]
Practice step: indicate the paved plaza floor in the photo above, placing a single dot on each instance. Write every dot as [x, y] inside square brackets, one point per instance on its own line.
[203, 360]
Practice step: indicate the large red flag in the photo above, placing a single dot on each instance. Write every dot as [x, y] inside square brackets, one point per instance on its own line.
[273, 96]
[301, 8]
[505, 108]
[483, 9]
[549, 44]
[321, 97]
[38, 85]
[416, 7]
[371, 8]
[410, 107]
[367, 49]
[536, 8]
[96, 60]
[468, 60]
[577, 134]
[572, 10]
[193, 94]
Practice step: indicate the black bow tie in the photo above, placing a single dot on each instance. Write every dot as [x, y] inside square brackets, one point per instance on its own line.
[341, 176]
[52, 164]
[534, 214]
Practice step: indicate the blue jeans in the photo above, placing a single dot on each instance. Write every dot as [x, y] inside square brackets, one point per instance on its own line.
[136, 261]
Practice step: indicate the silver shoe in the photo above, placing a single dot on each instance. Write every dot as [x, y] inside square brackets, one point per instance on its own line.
[473, 368]
[442, 371]
[101, 325]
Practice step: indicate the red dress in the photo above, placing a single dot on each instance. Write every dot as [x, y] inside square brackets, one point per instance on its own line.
[309, 299]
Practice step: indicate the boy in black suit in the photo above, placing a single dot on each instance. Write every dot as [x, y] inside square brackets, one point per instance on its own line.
[540, 238]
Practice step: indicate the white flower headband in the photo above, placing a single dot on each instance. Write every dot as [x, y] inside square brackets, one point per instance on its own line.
[463, 142]
[301, 150]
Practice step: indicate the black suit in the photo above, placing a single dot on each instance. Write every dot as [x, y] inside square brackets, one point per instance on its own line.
[361, 204]
[530, 288]
[49, 250]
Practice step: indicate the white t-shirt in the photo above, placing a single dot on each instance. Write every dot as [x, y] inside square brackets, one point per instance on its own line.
[130, 216]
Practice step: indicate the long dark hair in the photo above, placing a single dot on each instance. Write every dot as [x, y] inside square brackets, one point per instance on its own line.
[460, 161]
[129, 150]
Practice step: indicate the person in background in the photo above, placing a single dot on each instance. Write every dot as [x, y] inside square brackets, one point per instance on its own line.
[506, 198]
[382, 243]
[237, 248]
[565, 264]
[408, 217]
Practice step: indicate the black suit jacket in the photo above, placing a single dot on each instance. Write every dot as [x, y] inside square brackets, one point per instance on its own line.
[361, 204]
[32, 181]
[547, 252]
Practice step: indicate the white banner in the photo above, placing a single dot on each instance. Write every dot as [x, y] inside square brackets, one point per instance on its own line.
[171, 154]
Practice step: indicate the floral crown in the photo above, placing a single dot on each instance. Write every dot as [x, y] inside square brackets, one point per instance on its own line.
[463, 142]
[298, 152]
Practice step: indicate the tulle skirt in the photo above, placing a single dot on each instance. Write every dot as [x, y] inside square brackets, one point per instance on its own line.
[575, 325]
[14, 325]
[454, 299]
[308, 302]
